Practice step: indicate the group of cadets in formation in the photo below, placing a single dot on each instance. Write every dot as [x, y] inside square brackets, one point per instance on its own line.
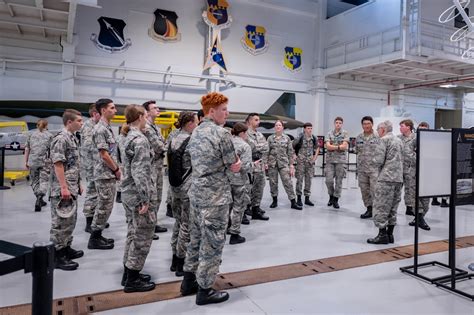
[216, 178]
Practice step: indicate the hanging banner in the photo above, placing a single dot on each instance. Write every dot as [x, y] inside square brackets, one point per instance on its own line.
[165, 27]
[254, 40]
[111, 38]
[215, 54]
[216, 15]
[292, 59]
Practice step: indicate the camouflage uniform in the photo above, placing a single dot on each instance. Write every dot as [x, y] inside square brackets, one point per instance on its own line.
[335, 162]
[388, 157]
[157, 143]
[211, 152]
[279, 157]
[180, 201]
[138, 188]
[88, 150]
[367, 172]
[105, 180]
[40, 166]
[174, 132]
[306, 148]
[259, 147]
[240, 183]
[64, 149]
[409, 168]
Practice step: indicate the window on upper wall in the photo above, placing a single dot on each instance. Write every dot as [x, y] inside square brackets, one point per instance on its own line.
[335, 7]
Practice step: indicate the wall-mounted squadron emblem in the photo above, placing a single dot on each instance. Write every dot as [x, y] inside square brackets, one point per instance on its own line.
[165, 27]
[254, 40]
[215, 55]
[216, 15]
[111, 38]
[292, 59]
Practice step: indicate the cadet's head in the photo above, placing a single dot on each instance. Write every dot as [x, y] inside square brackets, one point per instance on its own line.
[279, 126]
[240, 129]
[152, 110]
[406, 127]
[308, 128]
[200, 115]
[187, 121]
[106, 108]
[423, 125]
[72, 120]
[93, 113]
[214, 106]
[384, 127]
[135, 116]
[367, 124]
[42, 124]
[338, 121]
[253, 120]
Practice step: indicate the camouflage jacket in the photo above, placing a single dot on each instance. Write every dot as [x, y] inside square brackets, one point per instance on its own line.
[104, 139]
[157, 143]
[409, 151]
[337, 139]
[137, 183]
[87, 149]
[243, 151]
[388, 158]
[259, 146]
[365, 148]
[280, 151]
[38, 144]
[64, 148]
[175, 141]
[211, 151]
[306, 147]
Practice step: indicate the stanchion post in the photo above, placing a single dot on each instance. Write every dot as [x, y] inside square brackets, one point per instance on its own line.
[2, 169]
[43, 269]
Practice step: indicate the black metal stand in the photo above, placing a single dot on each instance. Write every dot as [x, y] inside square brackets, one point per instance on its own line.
[2, 170]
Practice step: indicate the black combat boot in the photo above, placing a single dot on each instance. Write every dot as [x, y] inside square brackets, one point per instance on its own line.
[72, 253]
[308, 202]
[435, 202]
[381, 238]
[236, 239]
[274, 203]
[257, 215]
[189, 284]
[331, 199]
[96, 241]
[160, 229]
[88, 228]
[108, 240]
[409, 211]
[335, 202]
[209, 296]
[421, 224]
[179, 267]
[367, 214]
[294, 205]
[63, 262]
[390, 228]
[169, 210]
[135, 284]
[444, 203]
[298, 201]
[174, 262]
[38, 204]
[245, 220]
[248, 211]
[118, 198]
[43, 203]
[144, 277]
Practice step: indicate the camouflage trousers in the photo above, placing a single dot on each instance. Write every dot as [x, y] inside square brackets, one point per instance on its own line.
[106, 189]
[159, 183]
[91, 195]
[257, 188]
[367, 182]
[409, 184]
[335, 171]
[387, 198]
[207, 230]
[423, 206]
[39, 177]
[140, 231]
[180, 206]
[241, 199]
[63, 221]
[285, 178]
[304, 171]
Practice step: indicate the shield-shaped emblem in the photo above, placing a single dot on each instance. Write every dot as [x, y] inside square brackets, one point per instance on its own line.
[216, 15]
[254, 40]
[292, 60]
[111, 37]
[165, 27]
[215, 55]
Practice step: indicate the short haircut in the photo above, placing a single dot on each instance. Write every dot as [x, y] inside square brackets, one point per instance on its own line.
[102, 103]
[238, 128]
[70, 114]
[369, 118]
[212, 100]
[338, 118]
[92, 109]
[147, 104]
[281, 122]
[249, 116]
[408, 123]
[308, 124]
[387, 125]
[424, 124]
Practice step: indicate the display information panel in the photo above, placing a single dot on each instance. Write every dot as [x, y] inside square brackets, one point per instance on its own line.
[464, 156]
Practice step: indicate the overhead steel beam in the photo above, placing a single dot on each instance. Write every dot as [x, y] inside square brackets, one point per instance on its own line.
[32, 22]
[70, 21]
[404, 75]
[13, 4]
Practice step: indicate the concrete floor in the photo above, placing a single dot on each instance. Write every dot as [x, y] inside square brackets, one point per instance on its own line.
[289, 236]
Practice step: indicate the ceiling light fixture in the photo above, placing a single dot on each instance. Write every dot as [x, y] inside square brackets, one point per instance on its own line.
[448, 85]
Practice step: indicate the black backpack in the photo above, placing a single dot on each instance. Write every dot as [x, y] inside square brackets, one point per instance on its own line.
[176, 173]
